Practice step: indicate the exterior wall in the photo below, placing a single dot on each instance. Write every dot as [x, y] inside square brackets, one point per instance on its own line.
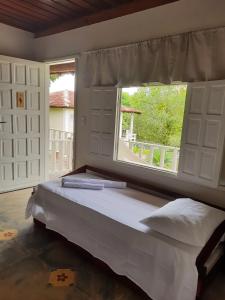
[16, 42]
[61, 119]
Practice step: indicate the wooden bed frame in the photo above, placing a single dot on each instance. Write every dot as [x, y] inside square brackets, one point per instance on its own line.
[203, 277]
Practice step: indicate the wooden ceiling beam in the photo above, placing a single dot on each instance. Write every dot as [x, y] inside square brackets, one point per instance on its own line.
[103, 15]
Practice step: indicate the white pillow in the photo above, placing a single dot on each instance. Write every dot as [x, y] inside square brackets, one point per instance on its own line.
[186, 220]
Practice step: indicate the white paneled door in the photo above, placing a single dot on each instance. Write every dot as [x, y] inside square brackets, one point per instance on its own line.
[23, 123]
[203, 133]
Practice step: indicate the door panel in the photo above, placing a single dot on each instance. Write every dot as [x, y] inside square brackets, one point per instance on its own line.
[102, 118]
[7, 149]
[19, 72]
[23, 111]
[5, 99]
[5, 72]
[203, 133]
[21, 147]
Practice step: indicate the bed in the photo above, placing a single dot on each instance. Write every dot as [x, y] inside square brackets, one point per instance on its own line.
[108, 225]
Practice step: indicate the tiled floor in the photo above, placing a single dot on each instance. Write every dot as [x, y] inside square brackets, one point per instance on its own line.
[36, 265]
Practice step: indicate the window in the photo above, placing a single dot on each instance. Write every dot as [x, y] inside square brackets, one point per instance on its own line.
[150, 125]
[153, 130]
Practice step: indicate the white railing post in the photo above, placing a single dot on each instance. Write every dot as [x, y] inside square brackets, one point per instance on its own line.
[70, 152]
[130, 145]
[162, 157]
[151, 154]
[175, 159]
[53, 151]
[141, 148]
[60, 152]
[149, 158]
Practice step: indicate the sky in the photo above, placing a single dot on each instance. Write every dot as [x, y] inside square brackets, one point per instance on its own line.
[64, 82]
[130, 90]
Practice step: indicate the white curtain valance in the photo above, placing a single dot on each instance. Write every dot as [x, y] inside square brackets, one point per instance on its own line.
[187, 57]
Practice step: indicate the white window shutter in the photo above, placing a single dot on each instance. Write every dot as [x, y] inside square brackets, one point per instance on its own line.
[102, 121]
[203, 133]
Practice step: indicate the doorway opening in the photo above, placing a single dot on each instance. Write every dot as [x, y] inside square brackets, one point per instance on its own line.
[61, 117]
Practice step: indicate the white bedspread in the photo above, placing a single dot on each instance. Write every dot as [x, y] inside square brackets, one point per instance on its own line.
[107, 224]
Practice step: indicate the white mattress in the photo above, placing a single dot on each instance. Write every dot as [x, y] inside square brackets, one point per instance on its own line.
[107, 224]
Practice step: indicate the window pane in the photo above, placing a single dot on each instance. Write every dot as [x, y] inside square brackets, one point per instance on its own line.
[151, 120]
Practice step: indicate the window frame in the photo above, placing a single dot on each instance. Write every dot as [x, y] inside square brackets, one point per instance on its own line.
[159, 170]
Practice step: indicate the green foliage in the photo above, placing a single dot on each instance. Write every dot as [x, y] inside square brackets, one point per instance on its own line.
[162, 110]
[54, 77]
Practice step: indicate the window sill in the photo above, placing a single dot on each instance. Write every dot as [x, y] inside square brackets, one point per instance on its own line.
[154, 170]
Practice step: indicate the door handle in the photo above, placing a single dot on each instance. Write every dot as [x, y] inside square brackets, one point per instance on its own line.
[3, 122]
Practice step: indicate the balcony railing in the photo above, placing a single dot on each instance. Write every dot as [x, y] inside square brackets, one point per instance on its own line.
[128, 136]
[60, 152]
[155, 155]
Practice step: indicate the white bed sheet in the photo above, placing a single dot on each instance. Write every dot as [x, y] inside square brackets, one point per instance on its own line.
[107, 224]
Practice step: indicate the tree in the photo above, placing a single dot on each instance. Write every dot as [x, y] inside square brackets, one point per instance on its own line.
[162, 110]
[54, 77]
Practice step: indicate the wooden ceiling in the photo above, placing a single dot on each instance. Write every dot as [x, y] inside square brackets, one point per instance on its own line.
[45, 17]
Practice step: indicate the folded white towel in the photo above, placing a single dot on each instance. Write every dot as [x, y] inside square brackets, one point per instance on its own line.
[105, 183]
[82, 185]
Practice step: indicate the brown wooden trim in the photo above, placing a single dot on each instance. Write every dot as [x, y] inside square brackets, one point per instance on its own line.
[66, 107]
[130, 182]
[77, 171]
[103, 15]
[135, 183]
[39, 223]
[209, 247]
[139, 184]
[62, 68]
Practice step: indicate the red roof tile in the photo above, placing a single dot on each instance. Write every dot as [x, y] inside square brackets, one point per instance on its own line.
[62, 99]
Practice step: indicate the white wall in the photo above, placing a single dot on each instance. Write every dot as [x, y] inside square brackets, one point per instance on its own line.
[16, 42]
[181, 16]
